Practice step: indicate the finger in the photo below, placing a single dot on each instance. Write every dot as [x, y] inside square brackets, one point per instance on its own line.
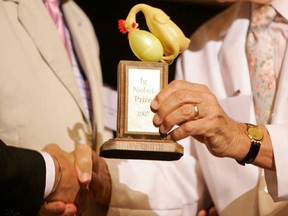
[202, 213]
[206, 109]
[58, 208]
[183, 114]
[176, 101]
[213, 211]
[83, 160]
[189, 128]
[52, 208]
[174, 87]
[70, 210]
[166, 93]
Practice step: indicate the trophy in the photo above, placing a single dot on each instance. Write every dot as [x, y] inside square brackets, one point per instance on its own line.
[138, 84]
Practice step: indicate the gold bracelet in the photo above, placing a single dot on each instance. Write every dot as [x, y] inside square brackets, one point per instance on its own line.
[59, 176]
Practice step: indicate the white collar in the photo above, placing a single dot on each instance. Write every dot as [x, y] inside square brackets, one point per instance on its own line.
[281, 6]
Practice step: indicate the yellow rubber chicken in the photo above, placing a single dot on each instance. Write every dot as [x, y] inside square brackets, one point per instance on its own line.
[160, 25]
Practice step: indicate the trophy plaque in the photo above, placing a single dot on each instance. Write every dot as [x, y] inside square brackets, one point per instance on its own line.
[136, 136]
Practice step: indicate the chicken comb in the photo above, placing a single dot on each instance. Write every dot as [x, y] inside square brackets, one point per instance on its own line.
[134, 25]
[121, 26]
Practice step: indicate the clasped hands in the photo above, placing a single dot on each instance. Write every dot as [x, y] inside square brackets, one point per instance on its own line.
[79, 174]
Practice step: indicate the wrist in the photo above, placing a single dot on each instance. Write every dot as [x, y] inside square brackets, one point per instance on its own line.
[243, 144]
[265, 158]
[58, 174]
[255, 136]
[240, 144]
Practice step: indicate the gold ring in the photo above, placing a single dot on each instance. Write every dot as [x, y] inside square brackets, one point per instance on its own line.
[196, 111]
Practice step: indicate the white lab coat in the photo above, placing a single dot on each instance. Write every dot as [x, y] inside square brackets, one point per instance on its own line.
[216, 57]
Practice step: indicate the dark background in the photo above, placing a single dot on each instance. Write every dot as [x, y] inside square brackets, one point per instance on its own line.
[114, 46]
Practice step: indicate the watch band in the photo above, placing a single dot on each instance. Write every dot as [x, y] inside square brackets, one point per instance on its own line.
[255, 145]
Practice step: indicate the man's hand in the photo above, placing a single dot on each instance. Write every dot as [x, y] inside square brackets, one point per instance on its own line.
[101, 185]
[58, 208]
[66, 186]
[210, 212]
[197, 112]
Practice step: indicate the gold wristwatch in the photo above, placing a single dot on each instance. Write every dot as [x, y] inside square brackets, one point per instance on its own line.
[256, 136]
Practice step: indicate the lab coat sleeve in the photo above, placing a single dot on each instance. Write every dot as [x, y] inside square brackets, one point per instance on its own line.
[277, 181]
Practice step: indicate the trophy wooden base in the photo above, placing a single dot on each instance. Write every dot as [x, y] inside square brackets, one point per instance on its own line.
[148, 149]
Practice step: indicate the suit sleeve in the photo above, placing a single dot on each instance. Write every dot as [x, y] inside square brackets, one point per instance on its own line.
[22, 181]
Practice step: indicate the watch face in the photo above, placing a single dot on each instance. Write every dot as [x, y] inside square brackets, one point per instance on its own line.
[255, 133]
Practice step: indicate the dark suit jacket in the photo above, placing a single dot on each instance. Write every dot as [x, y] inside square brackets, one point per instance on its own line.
[22, 181]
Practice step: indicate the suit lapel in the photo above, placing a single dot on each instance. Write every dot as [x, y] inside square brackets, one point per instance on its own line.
[89, 60]
[33, 15]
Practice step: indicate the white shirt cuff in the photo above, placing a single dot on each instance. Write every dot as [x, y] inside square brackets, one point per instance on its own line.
[50, 173]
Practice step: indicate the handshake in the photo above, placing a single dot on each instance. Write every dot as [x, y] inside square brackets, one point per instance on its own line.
[79, 174]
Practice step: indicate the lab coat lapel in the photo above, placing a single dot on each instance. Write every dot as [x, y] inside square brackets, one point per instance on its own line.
[33, 16]
[280, 113]
[232, 54]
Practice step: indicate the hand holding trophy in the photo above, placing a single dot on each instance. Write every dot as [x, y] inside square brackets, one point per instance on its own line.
[138, 84]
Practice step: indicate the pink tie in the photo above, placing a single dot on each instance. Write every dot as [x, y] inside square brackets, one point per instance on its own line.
[260, 60]
[54, 10]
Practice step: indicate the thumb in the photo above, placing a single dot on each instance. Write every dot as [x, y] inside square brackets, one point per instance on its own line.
[83, 163]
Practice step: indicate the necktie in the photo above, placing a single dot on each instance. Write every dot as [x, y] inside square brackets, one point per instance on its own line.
[53, 8]
[260, 60]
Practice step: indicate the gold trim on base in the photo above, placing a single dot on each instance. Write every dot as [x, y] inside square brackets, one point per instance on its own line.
[148, 149]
